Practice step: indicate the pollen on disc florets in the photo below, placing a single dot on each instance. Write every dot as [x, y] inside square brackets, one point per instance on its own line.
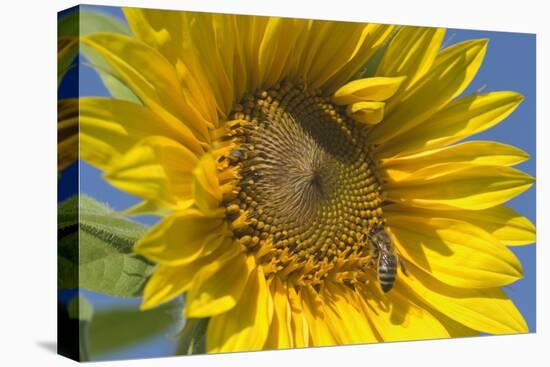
[308, 191]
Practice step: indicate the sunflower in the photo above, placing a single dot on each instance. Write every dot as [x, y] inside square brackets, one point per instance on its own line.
[279, 171]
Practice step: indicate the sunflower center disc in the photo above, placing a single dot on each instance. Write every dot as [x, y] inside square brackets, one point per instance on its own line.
[308, 185]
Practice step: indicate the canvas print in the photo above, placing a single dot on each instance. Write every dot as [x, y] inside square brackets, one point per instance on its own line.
[232, 183]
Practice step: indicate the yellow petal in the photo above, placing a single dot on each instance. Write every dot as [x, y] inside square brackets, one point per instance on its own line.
[452, 71]
[277, 44]
[182, 237]
[167, 282]
[455, 252]
[476, 152]
[347, 320]
[110, 127]
[455, 329]
[219, 286]
[487, 310]
[150, 76]
[159, 29]
[396, 316]
[320, 331]
[411, 52]
[157, 168]
[67, 152]
[459, 186]
[67, 108]
[245, 326]
[164, 31]
[280, 331]
[368, 89]
[460, 119]
[504, 223]
[336, 45]
[372, 38]
[197, 93]
[150, 207]
[299, 323]
[369, 113]
[206, 186]
[250, 32]
[208, 50]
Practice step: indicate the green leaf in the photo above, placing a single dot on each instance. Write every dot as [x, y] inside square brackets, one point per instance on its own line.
[119, 328]
[192, 339]
[103, 261]
[67, 245]
[104, 223]
[67, 213]
[103, 269]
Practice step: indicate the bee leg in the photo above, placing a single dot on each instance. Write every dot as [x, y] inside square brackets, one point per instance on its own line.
[402, 264]
[371, 262]
[374, 252]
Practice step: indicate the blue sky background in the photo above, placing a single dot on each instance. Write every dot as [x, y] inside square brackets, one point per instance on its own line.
[508, 65]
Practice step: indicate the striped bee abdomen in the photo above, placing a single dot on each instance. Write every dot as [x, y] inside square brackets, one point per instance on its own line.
[387, 271]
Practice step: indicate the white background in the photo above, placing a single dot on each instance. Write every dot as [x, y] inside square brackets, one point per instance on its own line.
[28, 181]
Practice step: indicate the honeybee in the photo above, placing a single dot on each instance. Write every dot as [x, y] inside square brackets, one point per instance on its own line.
[385, 256]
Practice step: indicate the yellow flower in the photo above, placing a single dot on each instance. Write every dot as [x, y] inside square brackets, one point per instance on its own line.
[276, 170]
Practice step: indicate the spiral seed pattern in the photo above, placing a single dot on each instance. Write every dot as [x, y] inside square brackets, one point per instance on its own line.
[308, 192]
